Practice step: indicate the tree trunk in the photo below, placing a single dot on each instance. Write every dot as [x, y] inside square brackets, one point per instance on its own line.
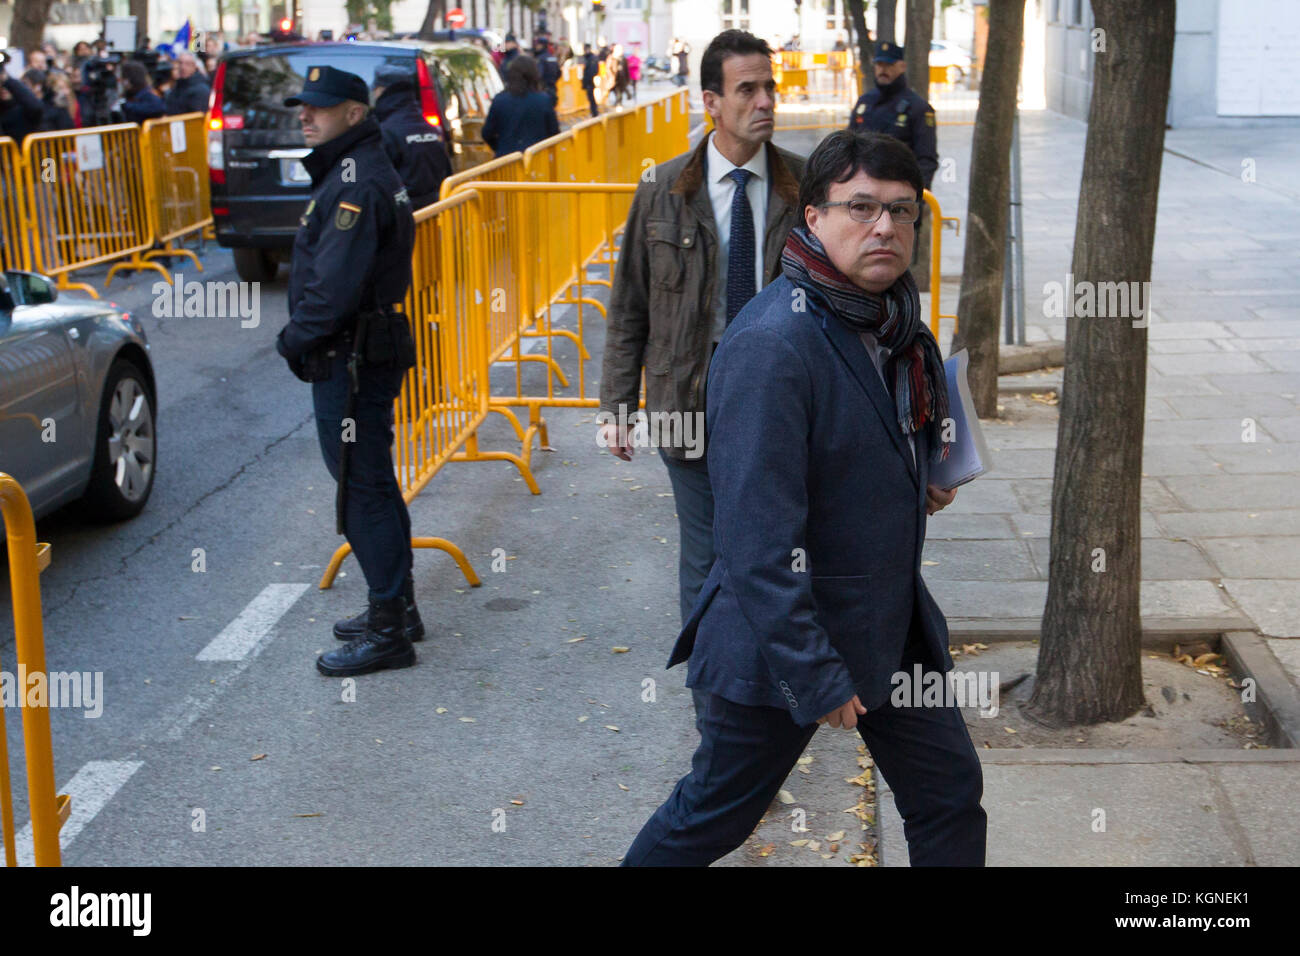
[858, 12]
[979, 308]
[437, 8]
[920, 27]
[28, 27]
[886, 14]
[140, 10]
[1089, 660]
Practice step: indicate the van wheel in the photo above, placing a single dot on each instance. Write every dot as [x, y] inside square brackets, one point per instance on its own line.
[126, 446]
[255, 265]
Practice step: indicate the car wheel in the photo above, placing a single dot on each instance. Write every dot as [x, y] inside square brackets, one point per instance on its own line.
[255, 265]
[126, 446]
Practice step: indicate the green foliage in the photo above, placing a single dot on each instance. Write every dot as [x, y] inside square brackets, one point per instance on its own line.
[359, 11]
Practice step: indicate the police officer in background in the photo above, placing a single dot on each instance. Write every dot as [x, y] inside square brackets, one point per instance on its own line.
[351, 263]
[895, 109]
[548, 65]
[413, 146]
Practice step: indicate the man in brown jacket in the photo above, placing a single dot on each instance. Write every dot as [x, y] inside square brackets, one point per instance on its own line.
[704, 234]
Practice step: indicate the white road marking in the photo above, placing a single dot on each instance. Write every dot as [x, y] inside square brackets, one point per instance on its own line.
[244, 633]
[93, 786]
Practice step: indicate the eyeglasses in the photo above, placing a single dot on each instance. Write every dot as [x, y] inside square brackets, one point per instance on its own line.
[868, 210]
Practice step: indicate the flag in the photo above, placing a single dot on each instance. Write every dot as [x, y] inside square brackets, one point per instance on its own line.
[182, 41]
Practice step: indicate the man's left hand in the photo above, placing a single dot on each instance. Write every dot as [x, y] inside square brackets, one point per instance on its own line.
[936, 498]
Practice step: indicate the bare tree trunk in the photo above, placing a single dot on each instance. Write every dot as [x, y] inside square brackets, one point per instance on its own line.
[437, 8]
[920, 26]
[886, 15]
[858, 12]
[979, 308]
[140, 10]
[28, 27]
[1089, 661]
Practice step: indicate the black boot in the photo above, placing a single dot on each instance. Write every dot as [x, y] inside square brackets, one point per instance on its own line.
[383, 644]
[354, 627]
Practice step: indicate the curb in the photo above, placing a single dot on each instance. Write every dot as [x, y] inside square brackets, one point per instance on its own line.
[1158, 634]
[1277, 701]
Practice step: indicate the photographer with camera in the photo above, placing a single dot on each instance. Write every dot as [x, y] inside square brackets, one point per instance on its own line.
[139, 101]
[21, 110]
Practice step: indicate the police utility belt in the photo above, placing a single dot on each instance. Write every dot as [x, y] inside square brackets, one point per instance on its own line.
[381, 337]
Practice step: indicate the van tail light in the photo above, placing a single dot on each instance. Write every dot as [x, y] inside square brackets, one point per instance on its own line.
[428, 100]
[216, 126]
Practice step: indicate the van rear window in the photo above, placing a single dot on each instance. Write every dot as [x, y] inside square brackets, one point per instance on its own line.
[256, 84]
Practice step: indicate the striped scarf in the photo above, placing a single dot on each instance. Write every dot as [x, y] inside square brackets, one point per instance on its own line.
[894, 318]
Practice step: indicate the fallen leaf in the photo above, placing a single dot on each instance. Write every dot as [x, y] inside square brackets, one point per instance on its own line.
[466, 720]
[440, 710]
[309, 814]
[1009, 730]
[575, 640]
[518, 803]
[621, 787]
[619, 650]
[767, 850]
[259, 756]
[611, 727]
[785, 796]
[836, 837]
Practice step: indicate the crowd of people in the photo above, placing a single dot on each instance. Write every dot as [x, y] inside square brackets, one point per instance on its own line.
[88, 86]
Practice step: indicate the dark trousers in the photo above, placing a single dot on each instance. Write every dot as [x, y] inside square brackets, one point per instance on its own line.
[745, 754]
[693, 498]
[591, 99]
[376, 522]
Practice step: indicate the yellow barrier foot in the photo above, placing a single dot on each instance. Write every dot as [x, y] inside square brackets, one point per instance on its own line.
[63, 808]
[64, 285]
[332, 569]
[457, 555]
[166, 253]
[137, 263]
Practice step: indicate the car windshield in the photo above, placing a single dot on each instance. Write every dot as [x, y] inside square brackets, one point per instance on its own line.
[467, 82]
[256, 86]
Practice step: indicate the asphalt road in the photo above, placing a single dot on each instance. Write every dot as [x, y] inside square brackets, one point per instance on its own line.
[521, 737]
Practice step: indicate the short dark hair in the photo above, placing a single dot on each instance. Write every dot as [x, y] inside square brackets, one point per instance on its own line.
[725, 44]
[135, 76]
[841, 155]
[522, 75]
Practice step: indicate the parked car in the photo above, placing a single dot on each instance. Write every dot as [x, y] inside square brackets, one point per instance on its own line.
[78, 405]
[946, 53]
[255, 146]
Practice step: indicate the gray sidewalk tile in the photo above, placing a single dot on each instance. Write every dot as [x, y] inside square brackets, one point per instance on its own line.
[1178, 460]
[1023, 463]
[977, 561]
[1282, 361]
[987, 600]
[1262, 797]
[985, 496]
[1228, 524]
[1258, 458]
[1274, 605]
[1287, 652]
[1268, 558]
[1287, 329]
[1254, 405]
[1218, 492]
[1220, 363]
[1260, 345]
[1273, 383]
[1035, 496]
[1172, 386]
[1283, 428]
[948, 525]
[1161, 560]
[1016, 436]
[1184, 599]
[1040, 525]
[1172, 328]
[1199, 431]
[1184, 346]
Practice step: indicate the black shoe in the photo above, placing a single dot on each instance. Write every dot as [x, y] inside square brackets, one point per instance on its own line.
[354, 627]
[382, 645]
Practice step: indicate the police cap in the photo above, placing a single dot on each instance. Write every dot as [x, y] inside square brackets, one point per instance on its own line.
[887, 52]
[327, 86]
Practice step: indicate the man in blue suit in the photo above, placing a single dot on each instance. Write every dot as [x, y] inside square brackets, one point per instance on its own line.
[826, 404]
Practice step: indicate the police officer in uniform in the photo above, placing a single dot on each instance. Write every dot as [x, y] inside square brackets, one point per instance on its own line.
[548, 65]
[895, 109]
[351, 263]
[414, 147]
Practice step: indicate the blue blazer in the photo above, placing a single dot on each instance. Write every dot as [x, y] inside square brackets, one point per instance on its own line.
[517, 122]
[819, 519]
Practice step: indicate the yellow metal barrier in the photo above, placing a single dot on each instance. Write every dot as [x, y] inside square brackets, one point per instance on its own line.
[26, 561]
[936, 246]
[174, 151]
[444, 399]
[86, 189]
[14, 236]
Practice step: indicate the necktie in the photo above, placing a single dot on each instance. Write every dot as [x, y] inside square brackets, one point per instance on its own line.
[740, 250]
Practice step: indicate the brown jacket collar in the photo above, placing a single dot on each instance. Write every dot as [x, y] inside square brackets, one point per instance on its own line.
[692, 175]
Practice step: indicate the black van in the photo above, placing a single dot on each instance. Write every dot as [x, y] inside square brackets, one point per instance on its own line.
[255, 144]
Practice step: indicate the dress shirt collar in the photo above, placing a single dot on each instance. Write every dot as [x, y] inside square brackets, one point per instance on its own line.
[720, 167]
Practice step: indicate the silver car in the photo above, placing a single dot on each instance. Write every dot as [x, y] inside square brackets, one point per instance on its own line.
[77, 400]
